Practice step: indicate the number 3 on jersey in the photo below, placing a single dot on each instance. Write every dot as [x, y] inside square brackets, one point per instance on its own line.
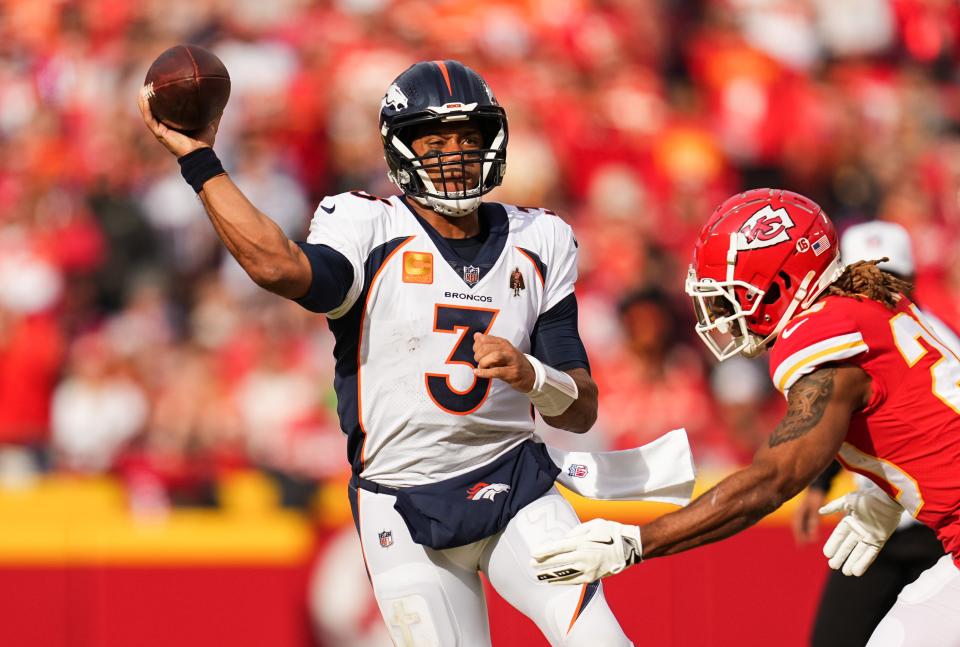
[945, 372]
[464, 322]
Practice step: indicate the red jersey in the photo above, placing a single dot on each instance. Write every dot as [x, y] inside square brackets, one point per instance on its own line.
[907, 438]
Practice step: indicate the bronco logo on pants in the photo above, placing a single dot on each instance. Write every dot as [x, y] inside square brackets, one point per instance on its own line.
[486, 491]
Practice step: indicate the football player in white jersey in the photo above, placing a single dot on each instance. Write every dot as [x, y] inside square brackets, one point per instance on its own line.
[453, 319]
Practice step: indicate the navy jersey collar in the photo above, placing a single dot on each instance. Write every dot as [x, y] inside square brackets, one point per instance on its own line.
[494, 217]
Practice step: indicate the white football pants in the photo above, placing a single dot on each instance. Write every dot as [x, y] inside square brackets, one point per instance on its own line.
[926, 613]
[434, 598]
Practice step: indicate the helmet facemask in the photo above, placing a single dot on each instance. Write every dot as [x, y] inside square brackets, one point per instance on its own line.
[425, 177]
[721, 320]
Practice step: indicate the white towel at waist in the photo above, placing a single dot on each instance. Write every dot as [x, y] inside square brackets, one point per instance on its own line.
[661, 470]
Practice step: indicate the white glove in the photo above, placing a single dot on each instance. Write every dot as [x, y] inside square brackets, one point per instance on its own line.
[871, 518]
[592, 550]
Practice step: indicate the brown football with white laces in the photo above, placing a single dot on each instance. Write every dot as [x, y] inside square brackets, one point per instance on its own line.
[187, 87]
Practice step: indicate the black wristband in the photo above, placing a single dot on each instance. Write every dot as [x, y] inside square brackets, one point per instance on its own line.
[825, 480]
[200, 165]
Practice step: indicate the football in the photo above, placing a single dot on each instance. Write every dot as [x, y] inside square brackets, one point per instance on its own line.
[187, 87]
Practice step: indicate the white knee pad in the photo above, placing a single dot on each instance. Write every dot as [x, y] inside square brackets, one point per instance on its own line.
[927, 612]
[889, 633]
[412, 624]
[416, 612]
[932, 583]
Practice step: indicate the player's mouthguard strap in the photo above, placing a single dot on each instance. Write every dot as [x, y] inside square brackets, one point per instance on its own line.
[553, 391]
[200, 165]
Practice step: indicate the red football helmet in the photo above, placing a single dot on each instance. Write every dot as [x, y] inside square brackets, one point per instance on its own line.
[763, 257]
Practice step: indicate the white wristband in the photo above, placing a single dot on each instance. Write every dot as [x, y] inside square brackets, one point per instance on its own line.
[553, 391]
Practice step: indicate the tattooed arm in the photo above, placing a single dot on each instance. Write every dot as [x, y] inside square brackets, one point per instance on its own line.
[803, 444]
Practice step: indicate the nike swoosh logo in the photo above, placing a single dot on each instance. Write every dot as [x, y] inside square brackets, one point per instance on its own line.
[608, 542]
[788, 332]
[330, 209]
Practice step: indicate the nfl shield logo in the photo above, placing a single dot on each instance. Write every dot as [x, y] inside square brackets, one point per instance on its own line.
[577, 471]
[471, 275]
[386, 538]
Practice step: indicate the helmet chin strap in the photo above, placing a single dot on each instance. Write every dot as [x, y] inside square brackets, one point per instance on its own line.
[450, 208]
[754, 346]
[802, 300]
[757, 345]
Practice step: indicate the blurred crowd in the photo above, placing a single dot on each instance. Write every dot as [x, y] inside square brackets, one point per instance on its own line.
[131, 344]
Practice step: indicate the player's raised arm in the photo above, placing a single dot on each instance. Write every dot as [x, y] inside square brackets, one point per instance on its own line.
[272, 260]
[806, 440]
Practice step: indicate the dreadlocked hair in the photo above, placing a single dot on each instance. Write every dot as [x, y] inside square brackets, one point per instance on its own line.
[866, 279]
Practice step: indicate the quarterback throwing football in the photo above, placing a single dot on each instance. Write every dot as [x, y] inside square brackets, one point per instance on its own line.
[453, 318]
[867, 380]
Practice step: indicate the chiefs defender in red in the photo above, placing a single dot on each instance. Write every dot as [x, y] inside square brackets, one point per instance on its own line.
[866, 381]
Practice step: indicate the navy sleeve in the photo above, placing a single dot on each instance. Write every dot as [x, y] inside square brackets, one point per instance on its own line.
[555, 340]
[332, 278]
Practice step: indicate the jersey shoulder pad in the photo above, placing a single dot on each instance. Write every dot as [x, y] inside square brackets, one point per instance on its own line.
[532, 219]
[353, 204]
[527, 213]
[535, 225]
[825, 333]
[354, 215]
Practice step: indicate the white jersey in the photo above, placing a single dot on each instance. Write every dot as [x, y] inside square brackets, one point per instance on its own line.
[407, 397]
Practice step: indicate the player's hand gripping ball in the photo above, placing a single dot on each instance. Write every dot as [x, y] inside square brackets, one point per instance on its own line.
[187, 87]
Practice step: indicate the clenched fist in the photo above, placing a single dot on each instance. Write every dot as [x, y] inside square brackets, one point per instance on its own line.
[497, 357]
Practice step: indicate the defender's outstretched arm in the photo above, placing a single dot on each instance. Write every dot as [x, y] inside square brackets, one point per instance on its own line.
[803, 444]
